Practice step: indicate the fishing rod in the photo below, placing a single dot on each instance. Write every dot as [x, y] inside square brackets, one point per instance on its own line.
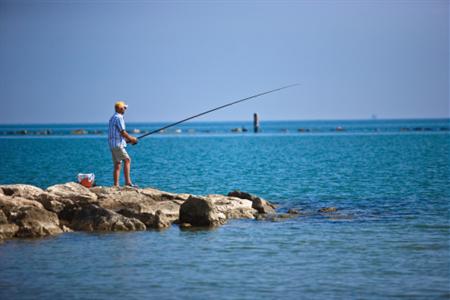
[217, 108]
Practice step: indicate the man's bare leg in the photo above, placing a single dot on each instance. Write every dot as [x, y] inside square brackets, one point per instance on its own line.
[126, 171]
[116, 173]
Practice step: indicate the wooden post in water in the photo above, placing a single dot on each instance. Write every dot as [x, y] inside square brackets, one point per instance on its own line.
[255, 123]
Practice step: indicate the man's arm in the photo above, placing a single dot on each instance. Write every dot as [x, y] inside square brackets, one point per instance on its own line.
[128, 137]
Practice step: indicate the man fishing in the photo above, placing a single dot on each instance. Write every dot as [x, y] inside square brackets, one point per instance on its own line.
[117, 139]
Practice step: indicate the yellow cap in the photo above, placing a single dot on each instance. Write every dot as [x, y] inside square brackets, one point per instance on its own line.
[120, 104]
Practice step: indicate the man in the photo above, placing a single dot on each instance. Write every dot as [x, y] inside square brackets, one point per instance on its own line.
[118, 138]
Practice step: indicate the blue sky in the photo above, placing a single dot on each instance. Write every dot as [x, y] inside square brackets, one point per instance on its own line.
[69, 61]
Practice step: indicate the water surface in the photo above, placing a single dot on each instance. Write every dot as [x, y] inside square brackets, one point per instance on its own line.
[389, 238]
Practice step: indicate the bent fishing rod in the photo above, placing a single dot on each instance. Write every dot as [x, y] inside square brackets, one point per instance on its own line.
[217, 108]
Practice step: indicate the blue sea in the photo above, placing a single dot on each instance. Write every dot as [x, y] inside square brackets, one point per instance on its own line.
[389, 180]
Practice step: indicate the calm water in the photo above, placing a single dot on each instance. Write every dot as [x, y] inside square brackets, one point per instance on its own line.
[389, 240]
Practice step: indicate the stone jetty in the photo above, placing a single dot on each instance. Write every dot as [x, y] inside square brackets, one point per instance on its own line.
[27, 211]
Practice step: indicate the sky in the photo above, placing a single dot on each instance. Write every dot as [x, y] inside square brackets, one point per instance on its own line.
[69, 61]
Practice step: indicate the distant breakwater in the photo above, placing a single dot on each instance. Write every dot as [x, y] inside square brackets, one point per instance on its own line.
[243, 129]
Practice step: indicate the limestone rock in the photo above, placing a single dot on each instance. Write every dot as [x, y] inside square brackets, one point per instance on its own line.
[7, 230]
[185, 225]
[158, 195]
[72, 191]
[21, 190]
[156, 220]
[261, 205]
[8, 202]
[28, 211]
[53, 202]
[232, 207]
[35, 222]
[26, 218]
[91, 217]
[140, 204]
[199, 211]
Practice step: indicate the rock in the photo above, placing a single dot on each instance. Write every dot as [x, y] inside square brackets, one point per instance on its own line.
[21, 190]
[185, 225]
[232, 207]
[28, 211]
[275, 217]
[261, 205]
[327, 209]
[53, 202]
[34, 222]
[26, 218]
[140, 204]
[158, 195]
[91, 217]
[161, 220]
[156, 220]
[7, 203]
[293, 211]
[3, 218]
[66, 229]
[7, 230]
[199, 211]
[72, 191]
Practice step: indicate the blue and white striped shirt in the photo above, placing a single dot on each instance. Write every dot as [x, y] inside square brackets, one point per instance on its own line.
[116, 125]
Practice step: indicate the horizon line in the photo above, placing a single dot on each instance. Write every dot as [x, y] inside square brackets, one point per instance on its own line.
[235, 121]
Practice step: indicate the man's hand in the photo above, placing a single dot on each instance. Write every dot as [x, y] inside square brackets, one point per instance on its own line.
[133, 140]
[130, 139]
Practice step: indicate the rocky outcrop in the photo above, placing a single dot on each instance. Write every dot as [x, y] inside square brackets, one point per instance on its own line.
[199, 211]
[142, 204]
[36, 222]
[7, 229]
[214, 210]
[26, 218]
[261, 205]
[91, 217]
[28, 211]
[72, 192]
[21, 190]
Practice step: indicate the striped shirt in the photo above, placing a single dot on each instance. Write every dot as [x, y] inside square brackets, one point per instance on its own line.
[116, 126]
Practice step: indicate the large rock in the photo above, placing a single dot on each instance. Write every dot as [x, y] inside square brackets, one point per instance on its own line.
[157, 220]
[164, 196]
[91, 217]
[232, 207]
[26, 218]
[72, 191]
[21, 190]
[7, 230]
[7, 203]
[200, 211]
[261, 205]
[53, 202]
[35, 222]
[140, 204]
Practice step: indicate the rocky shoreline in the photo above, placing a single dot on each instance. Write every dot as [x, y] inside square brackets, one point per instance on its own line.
[27, 211]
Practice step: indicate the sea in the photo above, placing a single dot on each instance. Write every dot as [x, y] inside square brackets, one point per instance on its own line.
[388, 239]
